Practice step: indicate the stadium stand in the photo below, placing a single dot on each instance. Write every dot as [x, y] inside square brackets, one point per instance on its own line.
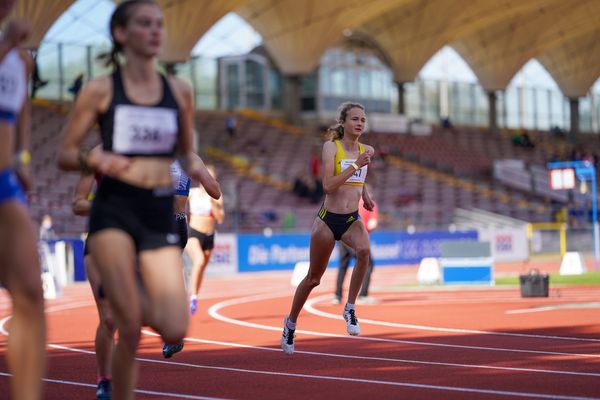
[420, 183]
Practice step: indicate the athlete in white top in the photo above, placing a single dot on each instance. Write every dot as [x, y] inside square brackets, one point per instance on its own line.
[205, 212]
[19, 265]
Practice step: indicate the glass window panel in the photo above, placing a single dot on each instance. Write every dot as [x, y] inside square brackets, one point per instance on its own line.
[585, 114]
[411, 100]
[48, 69]
[338, 82]
[233, 85]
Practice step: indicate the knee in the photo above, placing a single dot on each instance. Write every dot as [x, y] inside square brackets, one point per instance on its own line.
[172, 326]
[173, 333]
[362, 254]
[313, 281]
[108, 325]
[130, 336]
[29, 296]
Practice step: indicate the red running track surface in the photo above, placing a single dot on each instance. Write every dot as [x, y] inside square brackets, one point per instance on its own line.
[416, 343]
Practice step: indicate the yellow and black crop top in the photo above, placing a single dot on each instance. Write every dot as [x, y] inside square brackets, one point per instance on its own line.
[342, 162]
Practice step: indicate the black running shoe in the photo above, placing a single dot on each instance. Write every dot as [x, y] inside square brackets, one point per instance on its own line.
[103, 390]
[169, 349]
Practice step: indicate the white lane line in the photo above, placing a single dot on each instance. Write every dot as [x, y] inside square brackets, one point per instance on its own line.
[356, 380]
[370, 358]
[564, 306]
[213, 311]
[469, 300]
[309, 306]
[532, 310]
[139, 391]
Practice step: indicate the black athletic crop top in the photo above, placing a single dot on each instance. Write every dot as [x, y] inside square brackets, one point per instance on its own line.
[137, 130]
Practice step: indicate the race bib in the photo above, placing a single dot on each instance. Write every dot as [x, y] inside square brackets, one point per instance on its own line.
[358, 176]
[144, 130]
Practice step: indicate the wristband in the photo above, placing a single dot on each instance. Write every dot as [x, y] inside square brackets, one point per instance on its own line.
[356, 168]
[23, 157]
[82, 161]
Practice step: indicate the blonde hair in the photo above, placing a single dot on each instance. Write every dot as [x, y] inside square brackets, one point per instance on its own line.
[336, 132]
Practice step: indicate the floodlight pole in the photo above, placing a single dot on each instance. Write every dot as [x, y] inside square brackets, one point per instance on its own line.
[595, 219]
[585, 170]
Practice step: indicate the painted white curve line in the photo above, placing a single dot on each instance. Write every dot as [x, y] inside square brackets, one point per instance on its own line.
[213, 311]
[54, 346]
[370, 358]
[564, 306]
[444, 301]
[358, 380]
[309, 306]
[138, 391]
[61, 307]
[532, 310]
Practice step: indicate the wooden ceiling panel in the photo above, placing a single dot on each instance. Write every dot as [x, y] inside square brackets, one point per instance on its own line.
[41, 14]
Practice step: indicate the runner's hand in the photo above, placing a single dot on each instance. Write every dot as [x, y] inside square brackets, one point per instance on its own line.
[364, 158]
[108, 163]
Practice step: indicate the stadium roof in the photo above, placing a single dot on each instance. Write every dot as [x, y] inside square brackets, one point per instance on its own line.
[495, 37]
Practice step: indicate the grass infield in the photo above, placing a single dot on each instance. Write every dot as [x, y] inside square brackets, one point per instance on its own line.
[589, 278]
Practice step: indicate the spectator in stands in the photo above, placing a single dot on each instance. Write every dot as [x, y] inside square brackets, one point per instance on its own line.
[46, 230]
[301, 186]
[316, 181]
[577, 154]
[205, 213]
[522, 139]
[289, 221]
[445, 122]
[555, 157]
[526, 140]
[384, 151]
[76, 86]
[345, 162]
[557, 132]
[308, 187]
[315, 164]
[370, 219]
[125, 244]
[231, 124]
[20, 264]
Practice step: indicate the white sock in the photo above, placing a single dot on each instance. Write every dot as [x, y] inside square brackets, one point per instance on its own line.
[194, 297]
[290, 324]
[349, 306]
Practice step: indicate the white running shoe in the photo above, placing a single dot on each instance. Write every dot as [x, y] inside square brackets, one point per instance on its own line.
[287, 338]
[352, 326]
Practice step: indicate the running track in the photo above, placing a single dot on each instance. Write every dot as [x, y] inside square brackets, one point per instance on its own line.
[444, 343]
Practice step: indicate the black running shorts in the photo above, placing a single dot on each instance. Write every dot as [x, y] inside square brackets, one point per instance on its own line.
[146, 215]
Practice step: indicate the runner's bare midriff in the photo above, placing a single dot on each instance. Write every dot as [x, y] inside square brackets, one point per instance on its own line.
[344, 200]
[148, 172]
[202, 223]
